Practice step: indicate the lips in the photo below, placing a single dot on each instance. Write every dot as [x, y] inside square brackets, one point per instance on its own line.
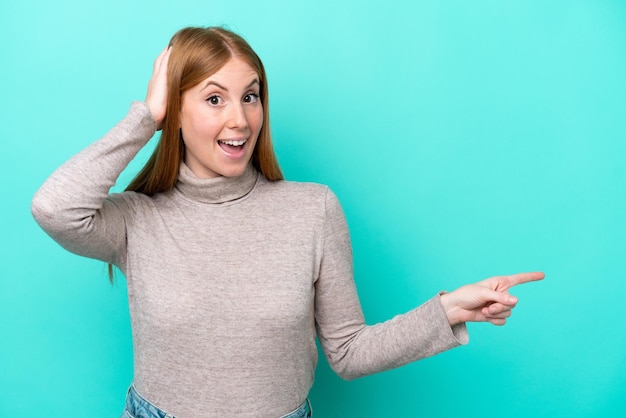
[233, 148]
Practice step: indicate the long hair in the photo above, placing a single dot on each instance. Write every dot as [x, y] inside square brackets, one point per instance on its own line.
[197, 53]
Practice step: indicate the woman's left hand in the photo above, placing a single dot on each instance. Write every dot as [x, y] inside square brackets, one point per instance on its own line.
[485, 301]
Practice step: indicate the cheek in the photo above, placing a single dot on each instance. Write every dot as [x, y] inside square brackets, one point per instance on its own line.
[206, 127]
[257, 119]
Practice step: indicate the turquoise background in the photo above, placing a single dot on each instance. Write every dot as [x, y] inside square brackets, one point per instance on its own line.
[464, 139]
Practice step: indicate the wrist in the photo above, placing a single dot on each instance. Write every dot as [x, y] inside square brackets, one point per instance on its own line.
[451, 310]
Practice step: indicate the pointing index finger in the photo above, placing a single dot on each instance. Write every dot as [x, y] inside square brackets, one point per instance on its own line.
[521, 278]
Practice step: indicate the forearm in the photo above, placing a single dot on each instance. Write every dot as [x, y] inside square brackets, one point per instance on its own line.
[417, 334]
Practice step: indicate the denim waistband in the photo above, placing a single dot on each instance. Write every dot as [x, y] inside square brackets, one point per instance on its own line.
[139, 407]
[303, 411]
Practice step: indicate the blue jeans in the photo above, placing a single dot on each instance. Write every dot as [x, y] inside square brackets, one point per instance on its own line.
[138, 407]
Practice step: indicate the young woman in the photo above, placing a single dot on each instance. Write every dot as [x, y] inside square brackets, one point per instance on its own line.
[232, 272]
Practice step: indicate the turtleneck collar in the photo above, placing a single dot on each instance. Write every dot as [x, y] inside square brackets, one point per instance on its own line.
[218, 189]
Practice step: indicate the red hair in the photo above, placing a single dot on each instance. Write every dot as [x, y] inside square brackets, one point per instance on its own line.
[197, 53]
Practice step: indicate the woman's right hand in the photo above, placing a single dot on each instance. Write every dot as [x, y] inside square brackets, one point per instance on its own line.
[156, 98]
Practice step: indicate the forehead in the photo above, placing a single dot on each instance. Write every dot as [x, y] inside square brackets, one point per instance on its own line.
[235, 70]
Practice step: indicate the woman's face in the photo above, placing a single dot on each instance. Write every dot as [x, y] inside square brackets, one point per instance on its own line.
[221, 118]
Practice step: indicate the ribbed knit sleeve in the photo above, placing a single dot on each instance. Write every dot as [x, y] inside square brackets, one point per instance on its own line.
[352, 348]
[73, 207]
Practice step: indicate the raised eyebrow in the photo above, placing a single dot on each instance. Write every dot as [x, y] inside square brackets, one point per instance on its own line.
[253, 82]
[211, 82]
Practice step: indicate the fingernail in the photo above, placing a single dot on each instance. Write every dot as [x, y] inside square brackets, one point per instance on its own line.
[512, 299]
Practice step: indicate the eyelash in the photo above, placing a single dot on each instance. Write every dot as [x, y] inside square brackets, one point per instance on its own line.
[210, 100]
[256, 97]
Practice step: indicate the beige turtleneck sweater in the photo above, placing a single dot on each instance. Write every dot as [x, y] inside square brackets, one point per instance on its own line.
[230, 280]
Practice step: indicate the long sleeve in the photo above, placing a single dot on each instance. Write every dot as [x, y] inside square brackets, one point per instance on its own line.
[352, 348]
[73, 206]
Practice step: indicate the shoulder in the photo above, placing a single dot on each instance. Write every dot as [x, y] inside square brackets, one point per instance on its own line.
[298, 191]
[300, 186]
[303, 196]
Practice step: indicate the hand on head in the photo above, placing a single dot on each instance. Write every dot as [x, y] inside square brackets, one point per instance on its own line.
[156, 97]
[485, 301]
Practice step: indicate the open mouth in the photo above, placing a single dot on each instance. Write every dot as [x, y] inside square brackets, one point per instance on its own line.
[232, 146]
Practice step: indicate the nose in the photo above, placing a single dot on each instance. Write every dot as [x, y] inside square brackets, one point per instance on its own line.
[237, 117]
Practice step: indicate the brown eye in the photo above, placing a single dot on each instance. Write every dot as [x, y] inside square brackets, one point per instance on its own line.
[214, 100]
[250, 98]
